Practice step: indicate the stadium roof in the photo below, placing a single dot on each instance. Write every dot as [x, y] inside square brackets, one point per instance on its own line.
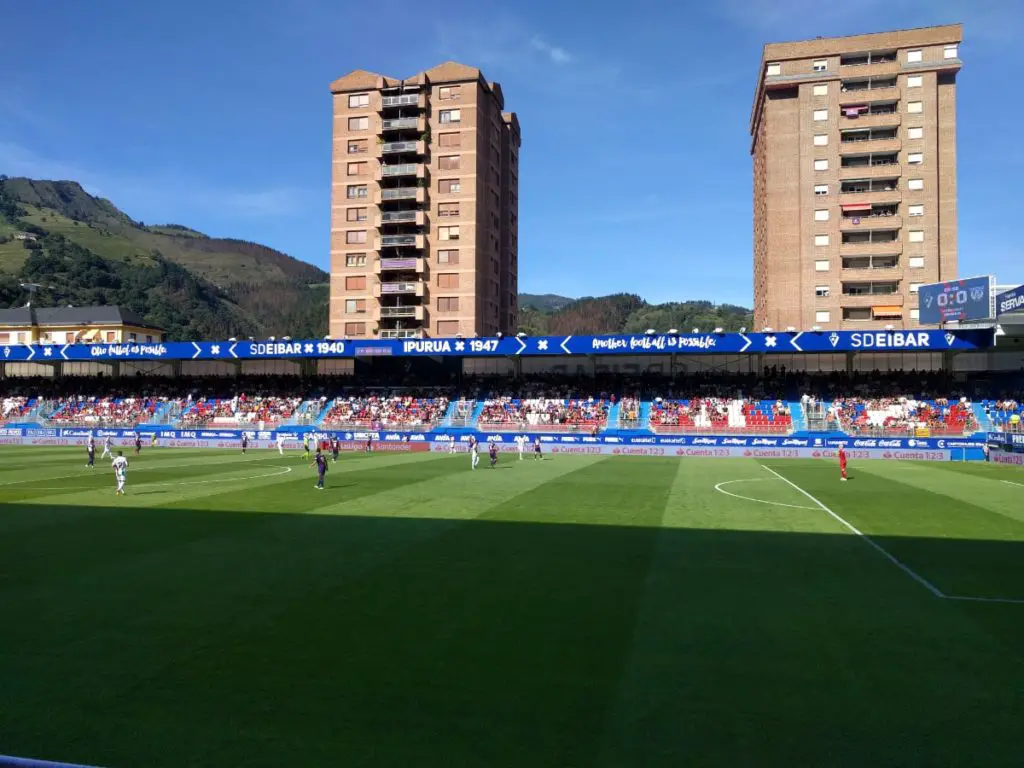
[59, 316]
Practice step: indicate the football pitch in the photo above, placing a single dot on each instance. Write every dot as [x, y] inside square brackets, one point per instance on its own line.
[579, 611]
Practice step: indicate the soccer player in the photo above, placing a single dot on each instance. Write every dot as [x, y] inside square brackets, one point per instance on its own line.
[280, 443]
[451, 443]
[521, 441]
[120, 465]
[474, 452]
[492, 451]
[305, 445]
[138, 444]
[369, 443]
[321, 469]
[245, 442]
[842, 463]
[536, 450]
[335, 448]
[90, 452]
[107, 450]
[152, 440]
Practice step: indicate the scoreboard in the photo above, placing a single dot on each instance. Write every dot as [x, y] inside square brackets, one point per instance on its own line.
[967, 299]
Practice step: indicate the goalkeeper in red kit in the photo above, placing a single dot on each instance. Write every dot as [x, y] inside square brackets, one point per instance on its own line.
[842, 463]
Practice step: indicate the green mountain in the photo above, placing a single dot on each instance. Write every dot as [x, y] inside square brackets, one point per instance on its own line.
[83, 250]
[625, 313]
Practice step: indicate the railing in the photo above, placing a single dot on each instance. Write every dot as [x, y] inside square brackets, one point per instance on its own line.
[403, 334]
[719, 429]
[399, 193]
[394, 240]
[399, 123]
[853, 139]
[398, 146]
[378, 426]
[515, 426]
[99, 422]
[403, 169]
[400, 101]
[398, 311]
[397, 217]
[398, 287]
[398, 263]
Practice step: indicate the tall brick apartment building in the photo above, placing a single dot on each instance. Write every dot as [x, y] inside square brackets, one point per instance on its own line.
[424, 206]
[854, 149]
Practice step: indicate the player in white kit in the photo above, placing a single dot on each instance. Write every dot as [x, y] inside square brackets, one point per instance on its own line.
[120, 465]
[474, 451]
[106, 448]
[521, 441]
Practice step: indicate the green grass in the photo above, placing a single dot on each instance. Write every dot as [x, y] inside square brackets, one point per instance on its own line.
[581, 611]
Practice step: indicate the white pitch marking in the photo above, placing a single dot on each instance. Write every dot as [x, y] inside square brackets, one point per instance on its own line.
[877, 547]
[718, 487]
[1010, 600]
[1010, 482]
[151, 485]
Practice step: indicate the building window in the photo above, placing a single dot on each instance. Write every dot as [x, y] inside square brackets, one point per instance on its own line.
[822, 316]
[355, 329]
[821, 214]
[915, 107]
[355, 260]
[355, 306]
[821, 139]
[916, 210]
[856, 313]
[949, 52]
[821, 165]
[355, 283]
[357, 147]
[820, 65]
[915, 158]
[355, 236]
[917, 262]
[448, 233]
[773, 69]
[359, 100]
[821, 265]
[915, 133]
[359, 123]
[916, 236]
[448, 163]
[449, 140]
[448, 328]
[448, 92]
[449, 256]
[915, 287]
[821, 189]
[820, 90]
[821, 291]
[915, 184]
[915, 81]
[448, 209]
[913, 57]
[449, 185]
[448, 116]
[915, 314]
[356, 169]
[821, 240]
[355, 214]
[448, 280]
[448, 304]
[356, 191]
[820, 115]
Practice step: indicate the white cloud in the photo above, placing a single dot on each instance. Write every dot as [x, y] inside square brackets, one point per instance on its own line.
[556, 53]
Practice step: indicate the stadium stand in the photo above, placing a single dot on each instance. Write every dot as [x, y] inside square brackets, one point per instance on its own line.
[388, 411]
[1005, 414]
[102, 411]
[720, 415]
[17, 407]
[543, 414]
[240, 410]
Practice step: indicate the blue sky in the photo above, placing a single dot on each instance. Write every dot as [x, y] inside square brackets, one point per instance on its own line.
[635, 173]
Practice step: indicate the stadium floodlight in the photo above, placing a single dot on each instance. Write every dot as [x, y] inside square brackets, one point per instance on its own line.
[766, 329]
[271, 338]
[743, 329]
[695, 330]
[719, 330]
[790, 329]
[816, 328]
[673, 331]
[650, 332]
[232, 339]
[889, 327]
[520, 335]
[252, 338]
[500, 335]
[286, 338]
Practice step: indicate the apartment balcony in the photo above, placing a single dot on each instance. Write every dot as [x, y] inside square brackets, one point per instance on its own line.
[880, 120]
[418, 124]
[419, 194]
[403, 147]
[879, 171]
[412, 170]
[868, 221]
[408, 312]
[407, 100]
[408, 333]
[870, 274]
[403, 288]
[871, 197]
[418, 218]
[402, 265]
[864, 146]
[849, 301]
[877, 248]
[399, 241]
[869, 95]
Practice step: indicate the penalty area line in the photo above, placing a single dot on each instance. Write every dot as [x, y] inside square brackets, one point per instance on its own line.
[871, 542]
[720, 489]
